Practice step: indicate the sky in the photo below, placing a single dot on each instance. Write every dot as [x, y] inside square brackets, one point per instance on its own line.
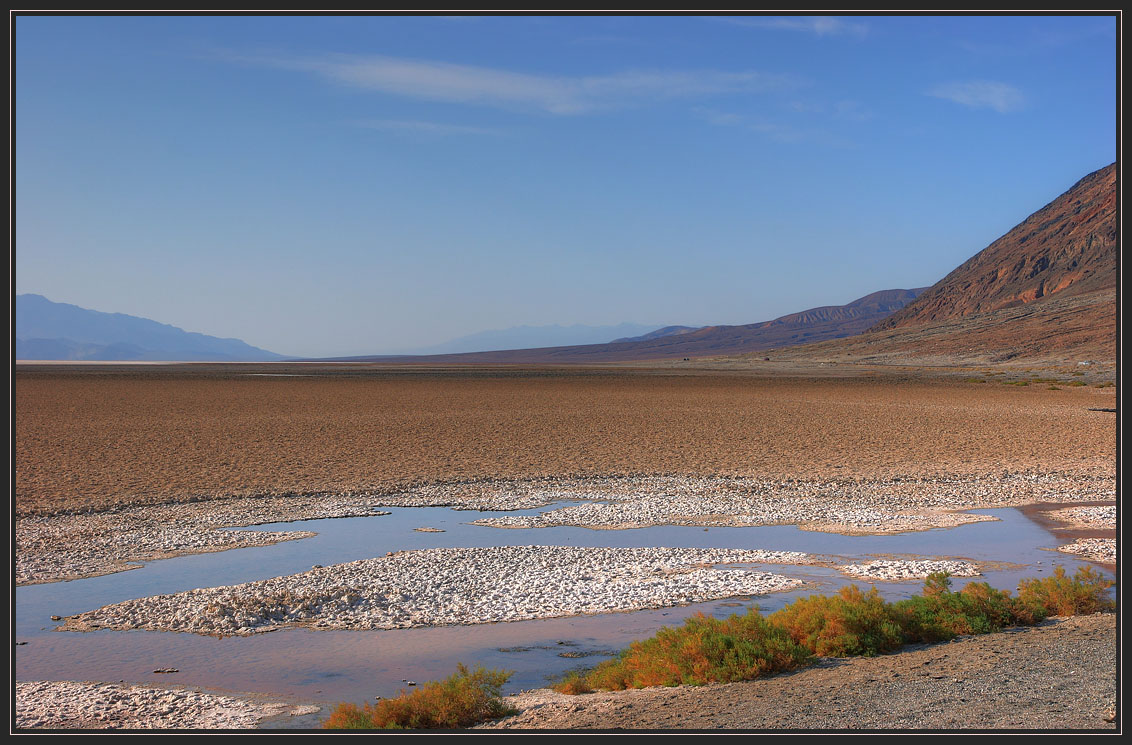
[334, 185]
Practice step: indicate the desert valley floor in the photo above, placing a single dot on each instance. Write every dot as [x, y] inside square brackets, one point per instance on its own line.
[536, 518]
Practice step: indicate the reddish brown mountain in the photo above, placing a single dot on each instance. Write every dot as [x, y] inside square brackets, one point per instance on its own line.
[1045, 291]
[1068, 246]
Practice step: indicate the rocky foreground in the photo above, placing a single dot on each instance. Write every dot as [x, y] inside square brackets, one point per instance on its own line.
[1058, 675]
[71, 705]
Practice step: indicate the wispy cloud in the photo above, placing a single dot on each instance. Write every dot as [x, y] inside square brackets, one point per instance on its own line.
[817, 25]
[775, 130]
[442, 81]
[426, 128]
[981, 94]
[854, 111]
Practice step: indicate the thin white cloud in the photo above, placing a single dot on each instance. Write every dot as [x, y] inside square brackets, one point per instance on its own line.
[817, 25]
[442, 81]
[774, 130]
[426, 128]
[982, 94]
[848, 110]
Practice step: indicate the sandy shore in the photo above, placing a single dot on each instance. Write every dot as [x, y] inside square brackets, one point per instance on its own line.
[1058, 675]
[73, 705]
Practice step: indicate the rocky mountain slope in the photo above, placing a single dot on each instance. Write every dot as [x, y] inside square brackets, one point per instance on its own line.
[1045, 291]
[1067, 247]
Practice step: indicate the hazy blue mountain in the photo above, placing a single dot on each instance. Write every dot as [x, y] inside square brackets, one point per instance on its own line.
[805, 327]
[46, 330]
[530, 337]
[666, 331]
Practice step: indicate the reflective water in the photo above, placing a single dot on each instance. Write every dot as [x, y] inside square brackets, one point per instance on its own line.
[330, 666]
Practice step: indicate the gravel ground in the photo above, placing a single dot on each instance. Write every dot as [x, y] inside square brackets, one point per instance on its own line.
[900, 570]
[857, 506]
[1058, 675]
[1102, 550]
[437, 587]
[68, 705]
[1086, 517]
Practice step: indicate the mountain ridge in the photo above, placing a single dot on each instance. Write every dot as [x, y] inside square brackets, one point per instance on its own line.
[49, 330]
[814, 324]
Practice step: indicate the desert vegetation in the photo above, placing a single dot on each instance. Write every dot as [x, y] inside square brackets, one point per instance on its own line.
[746, 646]
[850, 623]
[464, 698]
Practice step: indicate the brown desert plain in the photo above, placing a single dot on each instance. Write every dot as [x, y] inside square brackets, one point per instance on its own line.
[93, 436]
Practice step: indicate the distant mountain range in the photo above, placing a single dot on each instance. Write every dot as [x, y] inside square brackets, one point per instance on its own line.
[816, 324]
[524, 337]
[46, 330]
[666, 331]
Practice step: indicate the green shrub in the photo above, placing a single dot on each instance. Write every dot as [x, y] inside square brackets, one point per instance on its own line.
[703, 650]
[1059, 595]
[852, 622]
[463, 699]
[573, 684]
[349, 716]
[843, 625]
[940, 614]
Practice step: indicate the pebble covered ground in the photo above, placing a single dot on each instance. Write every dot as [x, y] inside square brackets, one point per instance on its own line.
[1102, 550]
[437, 587]
[1103, 516]
[72, 705]
[901, 570]
[861, 507]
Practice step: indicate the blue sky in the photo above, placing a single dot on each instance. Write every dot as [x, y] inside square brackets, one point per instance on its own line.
[347, 185]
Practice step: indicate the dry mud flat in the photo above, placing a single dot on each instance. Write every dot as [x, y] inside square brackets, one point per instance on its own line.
[70, 705]
[1058, 675]
[98, 436]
